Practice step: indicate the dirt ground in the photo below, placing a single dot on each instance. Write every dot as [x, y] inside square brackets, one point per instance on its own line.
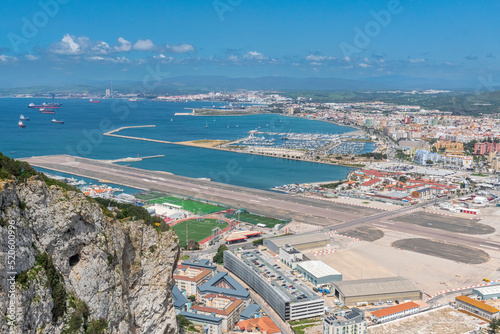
[452, 224]
[362, 260]
[444, 320]
[443, 250]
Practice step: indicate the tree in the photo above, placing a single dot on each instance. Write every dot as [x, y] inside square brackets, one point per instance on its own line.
[192, 298]
[258, 242]
[193, 244]
[219, 256]
[429, 162]
[494, 326]
[183, 322]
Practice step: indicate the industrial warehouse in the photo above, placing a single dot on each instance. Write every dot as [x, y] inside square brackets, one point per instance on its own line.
[299, 242]
[318, 273]
[376, 290]
[292, 300]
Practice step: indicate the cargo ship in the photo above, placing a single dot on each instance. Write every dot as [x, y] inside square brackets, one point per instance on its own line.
[46, 111]
[21, 124]
[56, 121]
[24, 118]
[45, 105]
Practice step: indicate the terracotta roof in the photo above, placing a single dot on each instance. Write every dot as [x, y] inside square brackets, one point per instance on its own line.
[481, 305]
[371, 182]
[394, 309]
[264, 324]
[226, 311]
[203, 273]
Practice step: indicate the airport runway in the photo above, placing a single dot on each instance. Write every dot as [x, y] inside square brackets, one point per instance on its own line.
[328, 215]
[259, 201]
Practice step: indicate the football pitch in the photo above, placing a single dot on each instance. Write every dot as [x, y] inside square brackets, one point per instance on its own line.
[195, 207]
[197, 230]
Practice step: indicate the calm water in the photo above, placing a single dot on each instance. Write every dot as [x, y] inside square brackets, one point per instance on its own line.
[84, 123]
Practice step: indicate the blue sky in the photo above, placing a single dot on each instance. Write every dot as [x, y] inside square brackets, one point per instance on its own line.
[103, 40]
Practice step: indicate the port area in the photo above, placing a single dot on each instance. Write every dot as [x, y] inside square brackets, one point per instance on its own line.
[334, 149]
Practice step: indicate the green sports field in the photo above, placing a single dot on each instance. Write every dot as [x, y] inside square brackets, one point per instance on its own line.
[256, 219]
[197, 230]
[195, 207]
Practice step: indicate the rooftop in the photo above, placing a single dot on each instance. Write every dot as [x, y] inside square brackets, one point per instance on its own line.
[318, 268]
[394, 309]
[375, 286]
[264, 324]
[225, 284]
[476, 303]
[281, 280]
[488, 290]
[201, 317]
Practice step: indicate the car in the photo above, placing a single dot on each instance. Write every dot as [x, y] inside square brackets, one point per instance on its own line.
[397, 302]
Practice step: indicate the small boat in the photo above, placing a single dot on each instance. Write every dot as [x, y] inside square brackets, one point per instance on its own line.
[237, 125]
[24, 118]
[56, 121]
[206, 125]
[171, 120]
[46, 111]
[132, 100]
[21, 124]
[94, 101]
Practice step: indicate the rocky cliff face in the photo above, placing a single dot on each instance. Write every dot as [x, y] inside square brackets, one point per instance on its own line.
[77, 270]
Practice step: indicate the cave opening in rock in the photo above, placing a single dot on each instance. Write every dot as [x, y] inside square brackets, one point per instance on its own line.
[73, 261]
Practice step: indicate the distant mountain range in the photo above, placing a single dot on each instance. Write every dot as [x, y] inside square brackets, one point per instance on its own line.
[175, 85]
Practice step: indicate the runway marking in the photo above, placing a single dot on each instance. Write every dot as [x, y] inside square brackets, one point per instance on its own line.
[253, 200]
[489, 246]
[263, 199]
[146, 180]
[387, 223]
[493, 243]
[195, 189]
[203, 187]
[379, 225]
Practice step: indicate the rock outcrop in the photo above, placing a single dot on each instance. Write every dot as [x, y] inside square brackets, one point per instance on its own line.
[73, 269]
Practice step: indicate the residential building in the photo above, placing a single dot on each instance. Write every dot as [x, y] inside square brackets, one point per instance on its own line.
[250, 312]
[181, 303]
[422, 156]
[395, 312]
[223, 284]
[259, 325]
[213, 325]
[227, 308]
[352, 322]
[188, 278]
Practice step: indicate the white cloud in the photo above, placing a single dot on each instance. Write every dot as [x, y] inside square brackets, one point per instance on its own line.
[315, 58]
[233, 58]
[7, 59]
[124, 46]
[67, 46]
[101, 48]
[417, 61]
[116, 60]
[31, 57]
[254, 55]
[363, 65]
[181, 48]
[144, 45]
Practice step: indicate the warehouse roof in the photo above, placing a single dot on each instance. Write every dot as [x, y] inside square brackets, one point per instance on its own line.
[375, 286]
[318, 268]
[488, 290]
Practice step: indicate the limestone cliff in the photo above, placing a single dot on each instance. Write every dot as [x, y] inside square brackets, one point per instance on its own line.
[77, 270]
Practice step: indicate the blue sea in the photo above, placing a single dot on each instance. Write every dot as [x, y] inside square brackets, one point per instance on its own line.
[85, 122]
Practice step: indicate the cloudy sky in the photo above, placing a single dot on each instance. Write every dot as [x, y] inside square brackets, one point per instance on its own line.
[103, 40]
